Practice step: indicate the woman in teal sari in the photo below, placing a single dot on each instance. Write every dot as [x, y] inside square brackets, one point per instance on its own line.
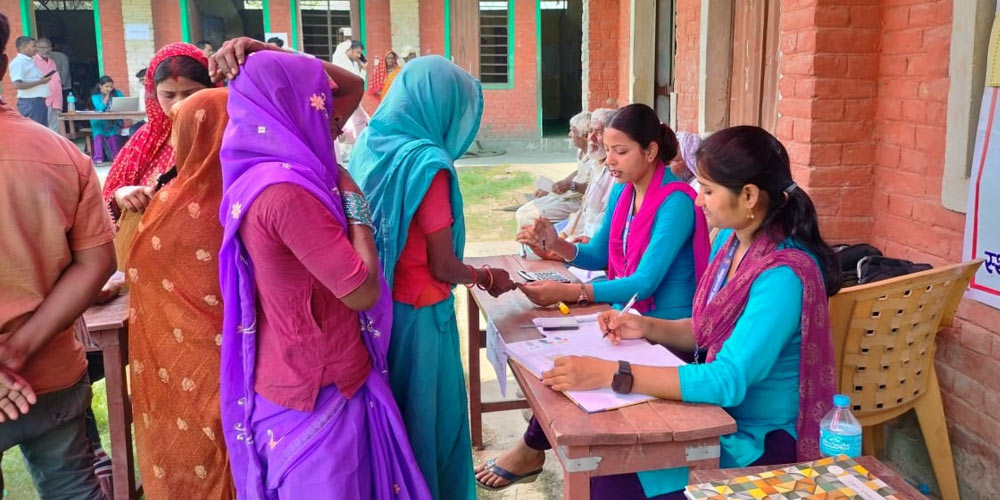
[404, 164]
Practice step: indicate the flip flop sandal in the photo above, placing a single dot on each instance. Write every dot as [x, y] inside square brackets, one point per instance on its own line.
[491, 465]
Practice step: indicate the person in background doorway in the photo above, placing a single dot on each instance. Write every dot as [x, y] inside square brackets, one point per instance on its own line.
[349, 55]
[276, 41]
[206, 48]
[141, 94]
[47, 64]
[32, 85]
[408, 54]
[107, 133]
[567, 193]
[684, 165]
[383, 75]
[62, 64]
[57, 253]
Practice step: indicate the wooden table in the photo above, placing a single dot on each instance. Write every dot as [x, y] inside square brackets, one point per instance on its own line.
[884, 472]
[70, 119]
[108, 326]
[652, 435]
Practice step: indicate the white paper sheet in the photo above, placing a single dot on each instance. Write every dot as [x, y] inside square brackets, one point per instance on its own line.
[538, 356]
[497, 354]
[584, 275]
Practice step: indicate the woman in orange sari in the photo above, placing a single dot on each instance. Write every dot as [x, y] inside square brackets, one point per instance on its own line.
[176, 317]
[383, 75]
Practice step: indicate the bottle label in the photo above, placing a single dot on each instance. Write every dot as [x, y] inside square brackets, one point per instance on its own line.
[832, 444]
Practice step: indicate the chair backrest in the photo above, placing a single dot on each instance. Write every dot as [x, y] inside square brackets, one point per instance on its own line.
[883, 334]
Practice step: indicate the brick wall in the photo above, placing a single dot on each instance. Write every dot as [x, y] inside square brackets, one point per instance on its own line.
[11, 9]
[166, 23]
[112, 37]
[910, 222]
[138, 53]
[281, 21]
[604, 56]
[827, 104]
[688, 21]
[432, 27]
[513, 113]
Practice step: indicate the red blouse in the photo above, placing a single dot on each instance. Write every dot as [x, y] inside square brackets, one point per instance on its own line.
[413, 283]
[303, 263]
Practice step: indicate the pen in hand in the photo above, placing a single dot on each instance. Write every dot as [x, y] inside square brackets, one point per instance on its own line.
[625, 310]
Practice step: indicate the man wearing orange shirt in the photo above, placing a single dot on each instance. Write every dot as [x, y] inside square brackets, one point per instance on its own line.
[57, 253]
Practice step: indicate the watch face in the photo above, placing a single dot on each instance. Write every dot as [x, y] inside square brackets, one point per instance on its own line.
[622, 383]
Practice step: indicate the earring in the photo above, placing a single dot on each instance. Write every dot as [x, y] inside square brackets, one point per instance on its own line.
[750, 215]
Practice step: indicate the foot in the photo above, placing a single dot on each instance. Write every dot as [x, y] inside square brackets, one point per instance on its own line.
[520, 460]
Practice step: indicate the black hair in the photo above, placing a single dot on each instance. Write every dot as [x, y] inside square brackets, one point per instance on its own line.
[355, 44]
[258, 36]
[177, 66]
[202, 43]
[642, 125]
[4, 30]
[104, 79]
[21, 41]
[276, 41]
[737, 156]
[141, 74]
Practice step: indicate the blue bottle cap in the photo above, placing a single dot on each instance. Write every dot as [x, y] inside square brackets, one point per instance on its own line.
[841, 401]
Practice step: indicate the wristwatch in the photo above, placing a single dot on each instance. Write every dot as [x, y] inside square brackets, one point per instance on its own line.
[622, 382]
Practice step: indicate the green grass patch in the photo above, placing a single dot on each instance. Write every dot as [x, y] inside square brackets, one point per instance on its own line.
[486, 191]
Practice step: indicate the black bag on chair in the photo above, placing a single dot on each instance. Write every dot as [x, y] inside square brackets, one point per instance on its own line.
[878, 268]
[849, 257]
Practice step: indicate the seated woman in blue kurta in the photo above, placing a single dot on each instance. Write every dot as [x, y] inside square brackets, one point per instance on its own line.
[759, 327]
[653, 242]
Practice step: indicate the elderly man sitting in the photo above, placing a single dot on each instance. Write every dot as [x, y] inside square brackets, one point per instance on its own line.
[567, 194]
[582, 224]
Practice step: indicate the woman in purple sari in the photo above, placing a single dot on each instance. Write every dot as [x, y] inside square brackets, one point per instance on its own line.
[306, 405]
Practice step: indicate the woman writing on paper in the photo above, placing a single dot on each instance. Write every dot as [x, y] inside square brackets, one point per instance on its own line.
[770, 367]
[653, 242]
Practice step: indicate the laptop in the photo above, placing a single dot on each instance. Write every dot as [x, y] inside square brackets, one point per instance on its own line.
[124, 104]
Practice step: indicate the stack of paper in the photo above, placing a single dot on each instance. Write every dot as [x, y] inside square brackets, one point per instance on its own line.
[538, 356]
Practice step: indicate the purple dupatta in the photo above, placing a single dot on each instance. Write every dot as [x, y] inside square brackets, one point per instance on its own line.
[279, 132]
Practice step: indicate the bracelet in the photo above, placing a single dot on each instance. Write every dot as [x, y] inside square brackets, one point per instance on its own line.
[489, 272]
[357, 210]
[475, 277]
[576, 253]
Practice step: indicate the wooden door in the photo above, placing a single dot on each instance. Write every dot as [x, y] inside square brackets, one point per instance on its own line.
[664, 84]
[465, 35]
[753, 88]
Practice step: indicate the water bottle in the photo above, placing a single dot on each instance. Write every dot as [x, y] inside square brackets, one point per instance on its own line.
[71, 103]
[839, 431]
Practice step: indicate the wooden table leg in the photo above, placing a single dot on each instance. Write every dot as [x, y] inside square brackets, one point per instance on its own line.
[119, 413]
[475, 384]
[576, 485]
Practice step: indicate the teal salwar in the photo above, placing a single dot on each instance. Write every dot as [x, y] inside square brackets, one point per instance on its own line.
[428, 382]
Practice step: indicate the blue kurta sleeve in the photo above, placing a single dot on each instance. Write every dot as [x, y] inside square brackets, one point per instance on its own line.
[672, 228]
[593, 255]
[750, 353]
[98, 102]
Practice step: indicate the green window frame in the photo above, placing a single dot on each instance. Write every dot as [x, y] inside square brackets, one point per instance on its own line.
[509, 36]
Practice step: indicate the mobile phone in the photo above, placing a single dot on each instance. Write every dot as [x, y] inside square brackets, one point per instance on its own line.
[50, 73]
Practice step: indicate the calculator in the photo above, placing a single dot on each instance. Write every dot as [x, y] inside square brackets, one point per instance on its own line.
[543, 276]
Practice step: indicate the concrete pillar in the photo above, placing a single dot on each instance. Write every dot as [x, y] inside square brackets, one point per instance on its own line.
[714, 64]
[405, 17]
[138, 53]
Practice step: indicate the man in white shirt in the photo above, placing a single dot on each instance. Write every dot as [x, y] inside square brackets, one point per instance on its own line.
[32, 86]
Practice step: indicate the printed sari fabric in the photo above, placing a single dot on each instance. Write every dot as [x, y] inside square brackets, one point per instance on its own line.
[175, 321]
[345, 447]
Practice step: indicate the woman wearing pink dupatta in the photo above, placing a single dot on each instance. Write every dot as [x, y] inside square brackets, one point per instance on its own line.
[760, 327]
[653, 242]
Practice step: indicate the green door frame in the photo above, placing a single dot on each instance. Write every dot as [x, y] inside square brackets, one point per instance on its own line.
[98, 38]
[26, 23]
[185, 21]
[265, 7]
